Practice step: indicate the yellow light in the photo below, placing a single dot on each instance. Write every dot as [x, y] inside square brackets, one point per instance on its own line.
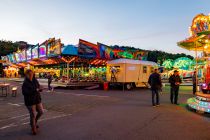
[205, 47]
[206, 41]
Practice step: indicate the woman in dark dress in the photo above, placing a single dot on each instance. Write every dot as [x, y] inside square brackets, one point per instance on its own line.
[31, 92]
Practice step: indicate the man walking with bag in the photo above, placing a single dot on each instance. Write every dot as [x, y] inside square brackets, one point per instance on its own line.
[156, 85]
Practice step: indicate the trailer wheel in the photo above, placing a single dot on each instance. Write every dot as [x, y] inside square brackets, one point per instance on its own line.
[129, 86]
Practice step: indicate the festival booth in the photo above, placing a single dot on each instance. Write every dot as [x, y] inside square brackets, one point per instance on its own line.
[68, 63]
[11, 72]
[200, 43]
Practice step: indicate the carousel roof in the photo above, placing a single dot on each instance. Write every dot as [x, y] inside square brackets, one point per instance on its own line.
[200, 34]
[194, 43]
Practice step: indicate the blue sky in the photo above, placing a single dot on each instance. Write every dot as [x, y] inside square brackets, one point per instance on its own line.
[146, 24]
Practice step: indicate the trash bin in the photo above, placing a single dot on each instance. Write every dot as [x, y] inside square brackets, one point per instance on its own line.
[106, 85]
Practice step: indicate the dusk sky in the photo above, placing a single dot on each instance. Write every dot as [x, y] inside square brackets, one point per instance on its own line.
[146, 24]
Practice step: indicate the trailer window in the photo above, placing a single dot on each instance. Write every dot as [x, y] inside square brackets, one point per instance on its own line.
[144, 69]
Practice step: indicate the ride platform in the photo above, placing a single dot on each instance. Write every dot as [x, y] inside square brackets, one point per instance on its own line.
[200, 103]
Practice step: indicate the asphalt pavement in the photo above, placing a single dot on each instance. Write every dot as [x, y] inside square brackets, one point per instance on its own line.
[104, 115]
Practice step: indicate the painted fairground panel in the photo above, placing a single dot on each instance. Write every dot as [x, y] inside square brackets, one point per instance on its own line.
[88, 50]
[106, 52]
[53, 47]
[42, 51]
[5, 58]
[17, 57]
[28, 54]
[11, 58]
[200, 25]
[35, 52]
[140, 55]
[125, 54]
[23, 55]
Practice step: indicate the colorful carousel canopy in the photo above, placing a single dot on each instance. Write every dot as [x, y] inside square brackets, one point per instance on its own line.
[193, 43]
[200, 34]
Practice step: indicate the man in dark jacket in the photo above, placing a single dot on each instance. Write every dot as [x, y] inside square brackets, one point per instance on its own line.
[50, 78]
[175, 81]
[32, 98]
[156, 84]
[194, 77]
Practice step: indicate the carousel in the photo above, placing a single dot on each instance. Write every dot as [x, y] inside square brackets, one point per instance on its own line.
[199, 42]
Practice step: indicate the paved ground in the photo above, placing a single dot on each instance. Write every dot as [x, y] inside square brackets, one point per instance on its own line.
[104, 115]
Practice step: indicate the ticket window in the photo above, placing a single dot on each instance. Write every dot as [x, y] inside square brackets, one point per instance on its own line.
[144, 69]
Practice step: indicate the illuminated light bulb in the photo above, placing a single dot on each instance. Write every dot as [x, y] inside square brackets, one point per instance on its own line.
[206, 41]
[205, 47]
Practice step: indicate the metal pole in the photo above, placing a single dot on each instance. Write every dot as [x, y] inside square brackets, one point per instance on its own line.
[124, 77]
[73, 70]
[67, 71]
[196, 66]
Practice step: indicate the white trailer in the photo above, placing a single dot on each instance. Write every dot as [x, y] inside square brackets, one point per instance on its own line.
[131, 73]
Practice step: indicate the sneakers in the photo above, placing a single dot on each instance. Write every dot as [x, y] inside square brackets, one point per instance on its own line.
[155, 105]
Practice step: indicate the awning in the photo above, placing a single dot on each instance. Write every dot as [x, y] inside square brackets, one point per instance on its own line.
[70, 50]
[194, 43]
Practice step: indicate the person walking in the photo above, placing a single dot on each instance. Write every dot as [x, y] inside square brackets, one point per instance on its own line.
[175, 82]
[194, 77]
[32, 99]
[50, 78]
[156, 85]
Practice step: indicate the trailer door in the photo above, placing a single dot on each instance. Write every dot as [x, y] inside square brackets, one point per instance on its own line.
[144, 77]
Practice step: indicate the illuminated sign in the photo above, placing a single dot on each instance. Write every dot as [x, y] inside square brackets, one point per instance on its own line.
[17, 57]
[54, 48]
[23, 55]
[4, 59]
[11, 58]
[35, 52]
[42, 51]
[28, 54]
